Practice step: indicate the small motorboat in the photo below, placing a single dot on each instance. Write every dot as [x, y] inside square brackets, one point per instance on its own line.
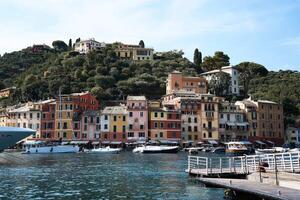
[236, 148]
[207, 149]
[106, 150]
[264, 151]
[218, 150]
[156, 149]
[40, 147]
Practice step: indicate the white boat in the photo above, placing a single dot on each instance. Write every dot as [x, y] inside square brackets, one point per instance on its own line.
[271, 150]
[9, 136]
[236, 148]
[40, 147]
[156, 149]
[106, 150]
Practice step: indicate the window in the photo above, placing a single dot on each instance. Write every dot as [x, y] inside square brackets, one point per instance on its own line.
[130, 126]
[105, 126]
[177, 116]
[130, 134]
[105, 136]
[161, 134]
[161, 114]
[228, 117]
[221, 116]
[115, 128]
[141, 134]
[173, 134]
[76, 125]
[44, 116]
[30, 126]
[92, 120]
[195, 120]
[124, 128]
[141, 126]
[161, 124]
[155, 114]
[68, 115]
[105, 117]
[141, 114]
[189, 137]
[189, 128]
[65, 125]
[189, 120]
[130, 114]
[58, 125]
[124, 118]
[183, 129]
[124, 136]
[85, 127]
[53, 115]
[24, 115]
[195, 128]
[204, 125]
[97, 120]
[37, 126]
[196, 137]
[155, 124]
[209, 135]
[38, 115]
[65, 135]
[115, 136]
[85, 120]
[115, 118]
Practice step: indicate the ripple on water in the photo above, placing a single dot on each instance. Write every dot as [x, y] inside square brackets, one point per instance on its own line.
[95, 176]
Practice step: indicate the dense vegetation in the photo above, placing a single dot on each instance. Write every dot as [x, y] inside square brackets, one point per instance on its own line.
[38, 74]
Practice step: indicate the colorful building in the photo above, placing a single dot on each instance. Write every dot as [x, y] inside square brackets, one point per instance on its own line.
[177, 82]
[69, 110]
[134, 52]
[114, 120]
[137, 108]
[233, 125]
[165, 124]
[265, 119]
[48, 118]
[90, 125]
[292, 136]
[86, 46]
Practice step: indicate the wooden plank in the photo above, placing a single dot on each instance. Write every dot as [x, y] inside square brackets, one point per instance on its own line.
[259, 189]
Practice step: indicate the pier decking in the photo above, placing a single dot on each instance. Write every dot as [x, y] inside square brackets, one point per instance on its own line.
[258, 189]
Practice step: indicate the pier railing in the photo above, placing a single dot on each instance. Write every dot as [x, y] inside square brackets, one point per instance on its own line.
[282, 162]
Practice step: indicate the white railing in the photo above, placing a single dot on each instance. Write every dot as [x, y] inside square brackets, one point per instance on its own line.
[283, 162]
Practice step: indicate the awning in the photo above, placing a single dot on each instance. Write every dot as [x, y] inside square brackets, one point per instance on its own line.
[246, 142]
[212, 141]
[230, 123]
[259, 142]
[95, 143]
[168, 141]
[188, 142]
[242, 124]
[116, 142]
[79, 142]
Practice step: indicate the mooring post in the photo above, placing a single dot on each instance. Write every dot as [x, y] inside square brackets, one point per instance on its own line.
[276, 176]
[259, 169]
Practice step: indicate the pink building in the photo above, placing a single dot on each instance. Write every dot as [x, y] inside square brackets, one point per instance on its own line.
[137, 119]
[90, 126]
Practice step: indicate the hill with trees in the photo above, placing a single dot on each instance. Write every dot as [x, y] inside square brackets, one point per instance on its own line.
[39, 71]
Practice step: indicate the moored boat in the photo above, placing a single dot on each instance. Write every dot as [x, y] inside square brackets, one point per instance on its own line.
[11, 135]
[40, 147]
[106, 150]
[156, 149]
[236, 148]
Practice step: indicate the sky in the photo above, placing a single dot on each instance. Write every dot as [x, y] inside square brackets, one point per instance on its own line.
[262, 31]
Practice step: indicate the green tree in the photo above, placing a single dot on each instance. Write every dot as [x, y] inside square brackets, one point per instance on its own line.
[142, 44]
[198, 60]
[248, 71]
[70, 44]
[216, 62]
[60, 45]
[219, 84]
[2, 85]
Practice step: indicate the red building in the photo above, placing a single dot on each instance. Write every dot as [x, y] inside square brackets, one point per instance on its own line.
[48, 118]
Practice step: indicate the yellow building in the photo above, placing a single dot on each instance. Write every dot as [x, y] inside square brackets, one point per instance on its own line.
[134, 52]
[115, 125]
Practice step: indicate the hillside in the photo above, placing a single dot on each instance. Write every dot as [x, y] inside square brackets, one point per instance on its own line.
[38, 74]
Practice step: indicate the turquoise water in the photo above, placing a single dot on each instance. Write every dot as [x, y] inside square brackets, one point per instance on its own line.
[98, 176]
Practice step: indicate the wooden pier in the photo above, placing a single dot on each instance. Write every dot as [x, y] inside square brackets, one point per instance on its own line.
[263, 190]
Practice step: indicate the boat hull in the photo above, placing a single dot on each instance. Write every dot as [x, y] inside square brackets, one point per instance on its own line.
[153, 150]
[52, 149]
[9, 136]
[106, 151]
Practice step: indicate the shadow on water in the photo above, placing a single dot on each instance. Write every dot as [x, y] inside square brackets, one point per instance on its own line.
[98, 176]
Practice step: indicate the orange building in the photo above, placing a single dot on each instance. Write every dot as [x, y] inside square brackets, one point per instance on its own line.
[176, 82]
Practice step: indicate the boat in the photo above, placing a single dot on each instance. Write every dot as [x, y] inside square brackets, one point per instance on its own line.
[106, 150]
[236, 148]
[156, 149]
[40, 147]
[207, 149]
[272, 150]
[9, 136]
[218, 150]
